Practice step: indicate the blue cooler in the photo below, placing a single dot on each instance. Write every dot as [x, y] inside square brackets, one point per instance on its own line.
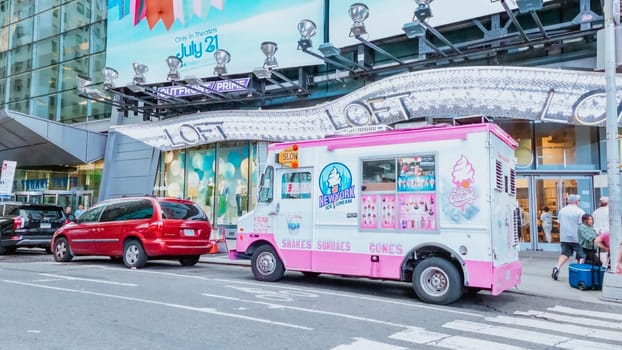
[586, 276]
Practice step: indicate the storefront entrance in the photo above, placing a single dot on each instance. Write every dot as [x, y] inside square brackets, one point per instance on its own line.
[538, 193]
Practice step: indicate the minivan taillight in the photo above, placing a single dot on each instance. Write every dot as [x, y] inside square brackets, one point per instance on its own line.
[18, 222]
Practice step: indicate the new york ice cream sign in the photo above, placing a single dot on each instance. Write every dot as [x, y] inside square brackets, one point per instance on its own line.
[336, 186]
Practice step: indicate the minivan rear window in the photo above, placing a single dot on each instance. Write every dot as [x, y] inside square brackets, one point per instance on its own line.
[39, 213]
[182, 211]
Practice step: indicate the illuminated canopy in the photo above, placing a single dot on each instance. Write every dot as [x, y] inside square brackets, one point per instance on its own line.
[551, 95]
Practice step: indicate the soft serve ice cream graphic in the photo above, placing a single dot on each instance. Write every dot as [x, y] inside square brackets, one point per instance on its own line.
[463, 174]
[463, 177]
[334, 180]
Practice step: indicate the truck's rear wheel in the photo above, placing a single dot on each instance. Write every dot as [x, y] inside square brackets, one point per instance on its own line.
[266, 264]
[437, 281]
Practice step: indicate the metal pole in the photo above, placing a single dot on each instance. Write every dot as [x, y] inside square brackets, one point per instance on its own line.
[612, 285]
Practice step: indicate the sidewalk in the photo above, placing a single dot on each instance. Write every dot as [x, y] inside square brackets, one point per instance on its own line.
[537, 267]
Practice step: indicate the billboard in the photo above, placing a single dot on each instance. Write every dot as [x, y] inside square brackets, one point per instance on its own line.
[387, 17]
[148, 31]
[6, 178]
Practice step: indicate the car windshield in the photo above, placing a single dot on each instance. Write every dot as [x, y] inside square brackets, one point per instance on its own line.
[181, 211]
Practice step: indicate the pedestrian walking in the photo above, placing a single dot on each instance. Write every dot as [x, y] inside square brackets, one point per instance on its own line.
[569, 218]
[603, 242]
[601, 216]
[546, 218]
[79, 211]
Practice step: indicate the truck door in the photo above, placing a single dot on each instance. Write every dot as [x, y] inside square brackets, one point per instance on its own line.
[293, 222]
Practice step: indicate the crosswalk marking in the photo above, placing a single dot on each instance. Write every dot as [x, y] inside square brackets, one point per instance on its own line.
[366, 344]
[590, 313]
[583, 319]
[528, 336]
[418, 336]
[465, 343]
[422, 336]
[558, 327]
[575, 330]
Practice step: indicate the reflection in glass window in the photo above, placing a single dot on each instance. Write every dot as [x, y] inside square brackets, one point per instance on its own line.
[71, 69]
[566, 146]
[46, 52]
[379, 175]
[22, 59]
[4, 42]
[19, 87]
[266, 185]
[296, 185]
[77, 14]
[75, 43]
[73, 107]
[44, 106]
[22, 32]
[522, 132]
[4, 15]
[98, 37]
[47, 23]
[23, 8]
[45, 81]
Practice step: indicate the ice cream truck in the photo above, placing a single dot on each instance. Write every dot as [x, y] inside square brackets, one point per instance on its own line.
[434, 206]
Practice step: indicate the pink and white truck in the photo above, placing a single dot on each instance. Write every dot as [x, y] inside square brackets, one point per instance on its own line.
[434, 206]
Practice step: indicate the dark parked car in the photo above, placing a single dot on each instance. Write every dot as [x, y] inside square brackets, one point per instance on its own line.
[137, 229]
[32, 225]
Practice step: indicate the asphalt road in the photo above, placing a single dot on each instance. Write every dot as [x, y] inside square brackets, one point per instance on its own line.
[93, 303]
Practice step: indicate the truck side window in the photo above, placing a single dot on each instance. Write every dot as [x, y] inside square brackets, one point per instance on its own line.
[266, 185]
[379, 175]
[296, 185]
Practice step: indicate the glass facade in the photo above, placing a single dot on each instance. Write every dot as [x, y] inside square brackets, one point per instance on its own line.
[219, 177]
[44, 45]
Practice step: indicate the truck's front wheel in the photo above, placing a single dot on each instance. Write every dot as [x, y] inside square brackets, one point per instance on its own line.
[437, 281]
[266, 264]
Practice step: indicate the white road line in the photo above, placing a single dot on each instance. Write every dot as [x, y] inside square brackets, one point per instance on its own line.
[366, 344]
[312, 290]
[418, 335]
[70, 278]
[465, 343]
[154, 302]
[423, 337]
[327, 313]
[588, 313]
[582, 319]
[577, 331]
[528, 336]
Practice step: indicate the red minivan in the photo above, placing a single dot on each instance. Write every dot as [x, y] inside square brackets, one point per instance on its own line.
[137, 229]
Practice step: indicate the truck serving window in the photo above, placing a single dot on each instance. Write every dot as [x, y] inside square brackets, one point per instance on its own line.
[296, 185]
[400, 194]
[266, 185]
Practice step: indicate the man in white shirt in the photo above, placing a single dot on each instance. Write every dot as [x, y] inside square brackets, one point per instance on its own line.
[601, 216]
[569, 218]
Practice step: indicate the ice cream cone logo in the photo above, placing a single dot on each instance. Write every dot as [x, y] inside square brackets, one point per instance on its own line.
[334, 180]
[463, 174]
[463, 177]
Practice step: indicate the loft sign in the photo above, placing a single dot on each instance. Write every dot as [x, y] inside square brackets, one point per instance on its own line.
[191, 134]
[232, 85]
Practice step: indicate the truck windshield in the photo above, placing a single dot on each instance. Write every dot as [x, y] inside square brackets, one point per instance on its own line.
[266, 185]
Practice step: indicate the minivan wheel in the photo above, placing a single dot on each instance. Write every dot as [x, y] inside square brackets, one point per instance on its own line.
[190, 260]
[134, 255]
[62, 252]
[266, 264]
